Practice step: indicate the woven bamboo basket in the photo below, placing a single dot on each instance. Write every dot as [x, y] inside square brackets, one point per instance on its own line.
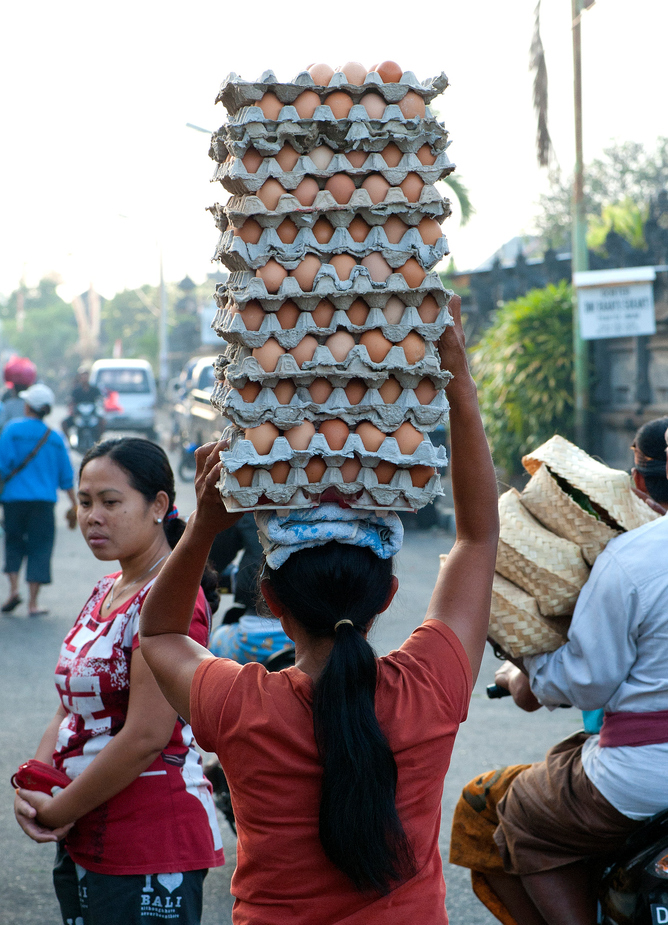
[609, 489]
[517, 625]
[546, 566]
[557, 511]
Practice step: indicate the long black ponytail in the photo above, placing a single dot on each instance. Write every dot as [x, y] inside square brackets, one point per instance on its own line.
[360, 829]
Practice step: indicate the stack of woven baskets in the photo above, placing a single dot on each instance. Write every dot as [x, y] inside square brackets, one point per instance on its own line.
[331, 376]
[551, 535]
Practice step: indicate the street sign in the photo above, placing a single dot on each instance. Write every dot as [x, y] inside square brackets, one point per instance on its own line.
[616, 303]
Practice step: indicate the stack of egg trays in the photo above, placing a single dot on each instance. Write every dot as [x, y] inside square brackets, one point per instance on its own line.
[248, 127]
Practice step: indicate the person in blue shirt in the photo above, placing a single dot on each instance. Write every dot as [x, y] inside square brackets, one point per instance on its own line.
[29, 492]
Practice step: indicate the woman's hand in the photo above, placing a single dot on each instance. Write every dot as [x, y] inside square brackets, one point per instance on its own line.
[211, 516]
[452, 345]
[27, 805]
[515, 681]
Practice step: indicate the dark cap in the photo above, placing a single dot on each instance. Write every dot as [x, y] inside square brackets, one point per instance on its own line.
[650, 443]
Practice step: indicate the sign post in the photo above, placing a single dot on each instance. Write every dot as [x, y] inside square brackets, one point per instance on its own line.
[615, 303]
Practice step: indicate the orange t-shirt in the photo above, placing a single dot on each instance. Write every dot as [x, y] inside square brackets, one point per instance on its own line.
[260, 724]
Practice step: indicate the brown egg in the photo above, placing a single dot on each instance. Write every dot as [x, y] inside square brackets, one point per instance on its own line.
[395, 229]
[358, 312]
[390, 390]
[343, 265]
[304, 350]
[354, 71]
[392, 154]
[341, 186]
[315, 469]
[408, 438]
[306, 104]
[378, 267]
[279, 472]
[286, 158]
[270, 105]
[377, 346]
[389, 71]
[268, 354]
[355, 391]
[420, 475]
[412, 272]
[322, 231]
[358, 229]
[425, 156]
[413, 346]
[287, 231]
[244, 476]
[262, 437]
[340, 345]
[425, 391]
[287, 314]
[335, 433]
[321, 74]
[272, 274]
[376, 186]
[429, 310]
[384, 472]
[323, 313]
[306, 271]
[350, 469]
[340, 103]
[412, 187]
[306, 192]
[252, 160]
[270, 192]
[370, 436]
[394, 310]
[250, 231]
[320, 390]
[412, 106]
[300, 436]
[284, 390]
[321, 156]
[356, 158]
[253, 315]
[430, 230]
[250, 391]
[374, 105]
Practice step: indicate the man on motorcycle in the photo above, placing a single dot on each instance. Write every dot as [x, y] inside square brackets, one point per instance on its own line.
[83, 393]
[554, 822]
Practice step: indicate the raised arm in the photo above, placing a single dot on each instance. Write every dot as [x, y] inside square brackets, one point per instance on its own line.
[462, 595]
[170, 653]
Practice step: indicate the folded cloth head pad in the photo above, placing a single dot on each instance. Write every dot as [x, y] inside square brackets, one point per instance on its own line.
[302, 529]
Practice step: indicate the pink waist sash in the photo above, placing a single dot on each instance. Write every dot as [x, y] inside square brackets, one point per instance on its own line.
[635, 729]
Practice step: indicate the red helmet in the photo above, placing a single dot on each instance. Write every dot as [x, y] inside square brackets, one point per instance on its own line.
[20, 371]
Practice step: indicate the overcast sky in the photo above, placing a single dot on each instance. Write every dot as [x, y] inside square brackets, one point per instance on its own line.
[100, 172]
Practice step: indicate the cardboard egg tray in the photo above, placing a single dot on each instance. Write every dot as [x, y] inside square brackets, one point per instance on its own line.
[238, 180]
[268, 146]
[236, 93]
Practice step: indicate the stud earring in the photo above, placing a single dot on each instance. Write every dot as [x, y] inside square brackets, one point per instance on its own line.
[159, 520]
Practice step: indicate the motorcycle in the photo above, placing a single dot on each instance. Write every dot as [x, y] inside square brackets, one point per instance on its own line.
[87, 421]
[633, 887]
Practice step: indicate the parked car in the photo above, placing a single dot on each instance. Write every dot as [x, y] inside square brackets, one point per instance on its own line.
[129, 391]
[194, 419]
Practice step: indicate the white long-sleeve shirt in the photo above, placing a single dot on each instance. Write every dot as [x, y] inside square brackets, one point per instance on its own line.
[616, 658]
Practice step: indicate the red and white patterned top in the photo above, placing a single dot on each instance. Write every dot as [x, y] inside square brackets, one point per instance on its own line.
[165, 820]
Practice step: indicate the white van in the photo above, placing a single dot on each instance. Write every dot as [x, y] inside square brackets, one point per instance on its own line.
[129, 391]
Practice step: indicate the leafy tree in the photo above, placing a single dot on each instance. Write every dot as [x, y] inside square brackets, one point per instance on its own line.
[132, 317]
[625, 172]
[523, 365]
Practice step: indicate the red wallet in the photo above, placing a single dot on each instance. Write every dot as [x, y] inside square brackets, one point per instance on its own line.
[37, 775]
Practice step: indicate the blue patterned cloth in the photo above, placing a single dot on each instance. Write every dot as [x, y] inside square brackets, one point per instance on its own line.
[303, 529]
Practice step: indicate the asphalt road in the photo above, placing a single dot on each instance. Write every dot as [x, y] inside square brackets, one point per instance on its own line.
[496, 732]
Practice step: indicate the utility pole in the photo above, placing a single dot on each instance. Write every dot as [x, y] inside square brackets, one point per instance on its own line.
[163, 335]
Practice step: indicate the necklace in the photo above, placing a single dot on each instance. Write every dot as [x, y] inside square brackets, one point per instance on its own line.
[136, 581]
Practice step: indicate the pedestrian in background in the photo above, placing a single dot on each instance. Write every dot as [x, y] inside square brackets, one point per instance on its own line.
[34, 464]
[649, 464]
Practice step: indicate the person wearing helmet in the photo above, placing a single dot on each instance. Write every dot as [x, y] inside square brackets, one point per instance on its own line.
[19, 373]
[82, 393]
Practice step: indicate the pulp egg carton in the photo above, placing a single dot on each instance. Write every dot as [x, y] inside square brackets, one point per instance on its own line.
[251, 129]
[231, 327]
[238, 208]
[236, 93]
[243, 287]
[240, 255]
[238, 180]
[302, 407]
